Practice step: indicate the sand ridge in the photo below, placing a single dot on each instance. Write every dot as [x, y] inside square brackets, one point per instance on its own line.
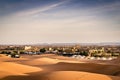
[45, 67]
[75, 75]
[49, 61]
[10, 68]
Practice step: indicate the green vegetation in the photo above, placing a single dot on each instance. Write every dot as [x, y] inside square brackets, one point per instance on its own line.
[84, 53]
[43, 50]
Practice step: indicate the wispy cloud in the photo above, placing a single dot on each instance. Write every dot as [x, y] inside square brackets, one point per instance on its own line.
[39, 9]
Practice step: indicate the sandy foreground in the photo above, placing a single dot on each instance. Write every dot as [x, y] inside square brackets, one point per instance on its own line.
[54, 67]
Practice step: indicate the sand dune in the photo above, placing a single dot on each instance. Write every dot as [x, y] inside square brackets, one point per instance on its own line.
[7, 58]
[48, 61]
[41, 61]
[53, 67]
[74, 75]
[116, 61]
[10, 68]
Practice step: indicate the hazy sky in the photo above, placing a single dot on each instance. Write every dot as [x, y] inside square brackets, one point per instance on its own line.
[52, 21]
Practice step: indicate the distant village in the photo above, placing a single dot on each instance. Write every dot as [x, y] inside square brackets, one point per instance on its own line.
[75, 50]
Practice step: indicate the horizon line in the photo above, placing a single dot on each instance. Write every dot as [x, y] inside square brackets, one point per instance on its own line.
[60, 43]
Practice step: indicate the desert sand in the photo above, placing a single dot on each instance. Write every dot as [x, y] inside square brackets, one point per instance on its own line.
[74, 75]
[54, 67]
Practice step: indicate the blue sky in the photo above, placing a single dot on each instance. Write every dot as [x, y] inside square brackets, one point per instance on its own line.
[52, 21]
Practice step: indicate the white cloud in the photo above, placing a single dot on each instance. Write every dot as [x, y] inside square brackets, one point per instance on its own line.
[38, 10]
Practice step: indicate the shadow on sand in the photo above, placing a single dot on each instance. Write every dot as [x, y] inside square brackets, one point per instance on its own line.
[62, 66]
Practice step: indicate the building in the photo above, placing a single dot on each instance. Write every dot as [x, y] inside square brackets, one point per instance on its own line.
[27, 48]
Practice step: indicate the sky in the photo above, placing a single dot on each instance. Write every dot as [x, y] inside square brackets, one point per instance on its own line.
[59, 21]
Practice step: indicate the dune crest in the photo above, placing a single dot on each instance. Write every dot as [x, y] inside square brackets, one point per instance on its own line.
[74, 75]
[48, 61]
[10, 68]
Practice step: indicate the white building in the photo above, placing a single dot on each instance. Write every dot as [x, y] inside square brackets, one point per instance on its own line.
[28, 47]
